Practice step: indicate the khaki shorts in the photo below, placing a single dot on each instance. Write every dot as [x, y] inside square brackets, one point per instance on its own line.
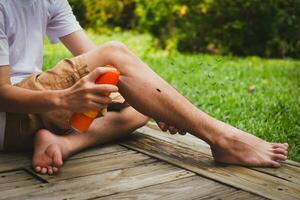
[20, 128]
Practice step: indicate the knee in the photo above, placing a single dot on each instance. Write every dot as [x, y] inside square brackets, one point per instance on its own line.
[113, 53]
[115, 46]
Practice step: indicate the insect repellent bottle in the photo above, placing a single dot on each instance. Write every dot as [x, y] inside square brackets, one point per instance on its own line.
[82, 121]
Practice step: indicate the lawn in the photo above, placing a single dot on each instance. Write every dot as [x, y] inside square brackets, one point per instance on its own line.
[260, 96]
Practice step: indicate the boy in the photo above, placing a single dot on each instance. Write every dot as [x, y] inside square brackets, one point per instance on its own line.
[36, 105]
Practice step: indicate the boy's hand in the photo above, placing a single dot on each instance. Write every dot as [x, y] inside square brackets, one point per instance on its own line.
[85, 95]
[164, 127]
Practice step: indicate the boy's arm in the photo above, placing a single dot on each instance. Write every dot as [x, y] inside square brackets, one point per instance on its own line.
[77, 42]
[84, 93]
[15, 99]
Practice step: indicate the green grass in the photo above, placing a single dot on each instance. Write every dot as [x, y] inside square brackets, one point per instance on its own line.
[220, 86]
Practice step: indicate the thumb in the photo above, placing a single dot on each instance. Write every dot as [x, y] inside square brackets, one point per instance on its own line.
[97, 72]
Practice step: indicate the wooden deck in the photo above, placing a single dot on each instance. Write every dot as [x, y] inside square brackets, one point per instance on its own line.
[148, 165]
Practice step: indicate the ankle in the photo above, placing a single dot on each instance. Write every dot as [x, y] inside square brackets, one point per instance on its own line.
[66, 147]
[217, 135]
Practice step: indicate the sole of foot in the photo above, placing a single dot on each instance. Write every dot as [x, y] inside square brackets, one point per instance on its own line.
[49, 151]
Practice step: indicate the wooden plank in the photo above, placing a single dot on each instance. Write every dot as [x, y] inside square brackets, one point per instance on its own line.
[236, 195]
[100, 185]
[14, 161]
[289, 171]
[16, 179]
[99, 150]
[194, 187]
[243, 178]
[13, 176]
[293, 163]
[99, 164]
[183, 140]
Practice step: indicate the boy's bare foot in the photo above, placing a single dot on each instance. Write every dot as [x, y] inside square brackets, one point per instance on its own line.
[245, 149]
[49, 152]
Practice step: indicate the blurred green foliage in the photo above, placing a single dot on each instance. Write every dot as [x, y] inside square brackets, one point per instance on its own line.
[268, 28]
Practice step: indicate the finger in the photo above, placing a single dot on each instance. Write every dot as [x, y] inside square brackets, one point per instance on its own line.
[181, 132]
[95, 106]
[101, 99]
[162, 126]
[102, 106]
[97, 72]
[172, 130]
[103, 89]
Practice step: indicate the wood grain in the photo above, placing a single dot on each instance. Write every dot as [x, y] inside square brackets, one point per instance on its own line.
[92, 165]
[194, 187]
[99, 185]
[14, 161]
[99, 150]
[16, 179]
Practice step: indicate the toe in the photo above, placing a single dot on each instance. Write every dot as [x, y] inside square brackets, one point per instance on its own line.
[280, 151]
[286, 145]
[57, 159]
[50, 170]
[279, 157]
[279, 145]
[44, 170]
[274, 164]
[55, 169]
[37, 168]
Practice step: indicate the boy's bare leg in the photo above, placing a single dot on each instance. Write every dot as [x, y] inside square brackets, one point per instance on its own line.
[50, 150]
[152, 96]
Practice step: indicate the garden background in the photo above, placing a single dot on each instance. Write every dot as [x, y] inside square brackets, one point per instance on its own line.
[237, 60]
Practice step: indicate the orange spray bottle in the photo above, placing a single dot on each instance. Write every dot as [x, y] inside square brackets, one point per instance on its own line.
[82, 121]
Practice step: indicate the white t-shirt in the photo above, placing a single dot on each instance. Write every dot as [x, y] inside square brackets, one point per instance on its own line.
[23, 27]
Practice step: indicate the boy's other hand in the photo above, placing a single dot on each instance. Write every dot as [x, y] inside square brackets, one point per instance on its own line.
[164, 127]
[85, 95]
